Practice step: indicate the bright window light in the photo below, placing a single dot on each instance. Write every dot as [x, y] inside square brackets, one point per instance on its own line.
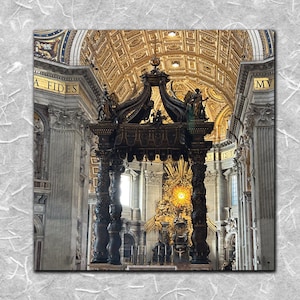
[234, 191]
[125, 189]
[172, 33]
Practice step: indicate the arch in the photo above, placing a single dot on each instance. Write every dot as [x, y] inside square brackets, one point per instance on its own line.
[76, 47]
[221, 125]
[262, 43]
[129, 244]
[38, 227]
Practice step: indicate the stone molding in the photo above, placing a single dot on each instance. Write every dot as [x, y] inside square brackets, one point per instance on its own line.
[244, 91]
[82, 74]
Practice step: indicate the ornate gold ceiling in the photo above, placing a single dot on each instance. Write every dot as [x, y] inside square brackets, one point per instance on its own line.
[206, 59]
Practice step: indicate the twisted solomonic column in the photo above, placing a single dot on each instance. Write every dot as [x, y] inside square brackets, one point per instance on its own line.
[115, 211]
[200, 248]
[102, 209]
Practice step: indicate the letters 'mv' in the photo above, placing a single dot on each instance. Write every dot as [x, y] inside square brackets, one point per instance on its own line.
[263, 83]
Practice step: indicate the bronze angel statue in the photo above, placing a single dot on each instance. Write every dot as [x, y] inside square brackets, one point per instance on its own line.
[195, 107]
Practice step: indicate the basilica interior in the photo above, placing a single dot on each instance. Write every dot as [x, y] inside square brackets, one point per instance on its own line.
[154, 150]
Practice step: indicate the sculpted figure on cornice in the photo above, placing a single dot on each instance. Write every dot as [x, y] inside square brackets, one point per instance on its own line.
[195, 105]
[242, 160]
[239, 156]
[94, 144]
[38, 144]
[107, 109]
[83, 155]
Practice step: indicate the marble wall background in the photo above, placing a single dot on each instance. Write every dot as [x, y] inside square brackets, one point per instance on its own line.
[18, 19]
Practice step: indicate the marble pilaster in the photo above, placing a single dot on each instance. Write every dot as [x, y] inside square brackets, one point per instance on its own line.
[61, 232]
[260, 121]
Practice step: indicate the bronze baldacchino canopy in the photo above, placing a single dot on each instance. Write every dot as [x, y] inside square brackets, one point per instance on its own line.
[127, 131]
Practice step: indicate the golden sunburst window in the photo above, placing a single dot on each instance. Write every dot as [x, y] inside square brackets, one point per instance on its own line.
[181, 196]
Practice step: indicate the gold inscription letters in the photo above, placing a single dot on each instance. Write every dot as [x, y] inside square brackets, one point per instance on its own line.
[263, 84]
[55, 86]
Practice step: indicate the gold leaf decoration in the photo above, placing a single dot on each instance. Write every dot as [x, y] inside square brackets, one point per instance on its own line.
[176, 198]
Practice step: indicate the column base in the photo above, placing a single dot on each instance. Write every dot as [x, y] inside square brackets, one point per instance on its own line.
[106, 267]
[114, 262]
[100, 258]
[200, 260]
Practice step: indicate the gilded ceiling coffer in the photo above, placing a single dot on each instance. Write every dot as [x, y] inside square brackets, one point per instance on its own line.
[126, 132]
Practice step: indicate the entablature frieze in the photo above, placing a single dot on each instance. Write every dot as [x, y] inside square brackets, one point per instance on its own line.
[248, 70]
[254, 77]
[165, 140]
[68, 80]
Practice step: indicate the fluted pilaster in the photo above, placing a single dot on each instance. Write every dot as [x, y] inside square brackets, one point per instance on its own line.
[63, 212]
[260, 118]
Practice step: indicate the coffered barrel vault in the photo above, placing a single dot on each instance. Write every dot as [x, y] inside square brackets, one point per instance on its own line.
[205, 59]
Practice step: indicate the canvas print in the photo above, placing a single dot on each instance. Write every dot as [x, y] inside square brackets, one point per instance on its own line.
[154, 150]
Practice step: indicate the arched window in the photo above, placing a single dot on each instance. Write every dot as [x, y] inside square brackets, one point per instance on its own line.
[128, 246]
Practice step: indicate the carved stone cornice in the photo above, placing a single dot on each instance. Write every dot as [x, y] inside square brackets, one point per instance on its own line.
[68, 73]
[248, 71]
[265, 68]
[67, 119]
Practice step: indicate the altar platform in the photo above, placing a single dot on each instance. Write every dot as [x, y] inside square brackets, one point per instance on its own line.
[150, 268]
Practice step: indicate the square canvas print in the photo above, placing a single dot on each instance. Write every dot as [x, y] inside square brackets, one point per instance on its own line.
[154, 150]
